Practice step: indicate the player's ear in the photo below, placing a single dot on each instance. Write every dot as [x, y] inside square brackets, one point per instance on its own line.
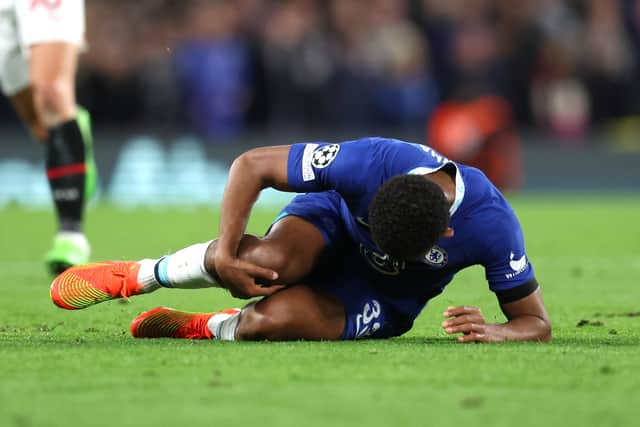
[448, 233]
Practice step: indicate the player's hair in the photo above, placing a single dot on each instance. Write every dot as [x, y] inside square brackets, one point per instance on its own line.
[407, 216]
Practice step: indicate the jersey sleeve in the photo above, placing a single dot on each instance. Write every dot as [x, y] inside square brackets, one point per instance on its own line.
[505, 260]
[319, 166]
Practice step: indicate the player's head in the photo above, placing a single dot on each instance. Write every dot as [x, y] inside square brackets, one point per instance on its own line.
[407, 216]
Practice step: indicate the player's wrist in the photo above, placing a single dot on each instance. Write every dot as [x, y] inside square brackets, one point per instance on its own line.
[497, 332]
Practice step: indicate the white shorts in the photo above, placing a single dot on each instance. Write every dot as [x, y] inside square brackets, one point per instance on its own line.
[24, 23]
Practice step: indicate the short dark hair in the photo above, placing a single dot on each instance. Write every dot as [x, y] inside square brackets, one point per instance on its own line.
[408, 215]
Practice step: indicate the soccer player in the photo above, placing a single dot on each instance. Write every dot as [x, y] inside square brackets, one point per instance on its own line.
[383, 228]
[39, 43]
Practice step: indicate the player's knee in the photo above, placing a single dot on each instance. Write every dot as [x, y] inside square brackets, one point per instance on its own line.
[260, 324]
[272, 258]
[252, 249]
[265, 253]
[268, 255]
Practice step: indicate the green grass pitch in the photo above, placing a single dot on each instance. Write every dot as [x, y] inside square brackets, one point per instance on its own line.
[60, 368]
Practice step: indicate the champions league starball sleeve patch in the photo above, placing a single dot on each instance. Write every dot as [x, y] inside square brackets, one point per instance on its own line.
[323, 156]
[352, 168]
[319, 157]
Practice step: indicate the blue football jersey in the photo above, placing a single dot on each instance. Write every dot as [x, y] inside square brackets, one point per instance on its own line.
[486, 230]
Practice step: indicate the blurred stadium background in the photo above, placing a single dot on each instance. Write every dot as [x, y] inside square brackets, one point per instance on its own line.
[542, 94]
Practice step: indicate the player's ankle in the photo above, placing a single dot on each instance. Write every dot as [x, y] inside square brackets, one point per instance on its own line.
[223, 325]
[146, 277]
[185, 269]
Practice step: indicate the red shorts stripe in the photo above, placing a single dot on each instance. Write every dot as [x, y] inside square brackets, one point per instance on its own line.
[59, 172]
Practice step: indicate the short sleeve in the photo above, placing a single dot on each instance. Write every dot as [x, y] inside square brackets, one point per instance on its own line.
[505, 259]
[322, 166]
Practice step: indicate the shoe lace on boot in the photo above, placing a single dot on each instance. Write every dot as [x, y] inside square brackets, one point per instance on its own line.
[121, 271]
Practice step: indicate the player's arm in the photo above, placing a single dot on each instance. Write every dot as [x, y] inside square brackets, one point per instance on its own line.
[527, 318]
[304, 167]
[250, 173]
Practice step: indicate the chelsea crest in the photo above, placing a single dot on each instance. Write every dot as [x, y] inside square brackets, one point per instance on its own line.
[436, 257]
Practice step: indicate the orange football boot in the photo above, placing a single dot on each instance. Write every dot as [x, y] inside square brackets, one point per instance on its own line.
[86, 285]
[163, 322]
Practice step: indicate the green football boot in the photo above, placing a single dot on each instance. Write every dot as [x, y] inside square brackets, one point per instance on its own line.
[91, 174]
[69, 249]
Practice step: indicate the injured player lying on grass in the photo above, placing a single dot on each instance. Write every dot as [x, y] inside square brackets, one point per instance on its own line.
[383, 227]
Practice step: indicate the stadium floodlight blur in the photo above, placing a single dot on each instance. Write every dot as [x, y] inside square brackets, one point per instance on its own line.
[566, 72]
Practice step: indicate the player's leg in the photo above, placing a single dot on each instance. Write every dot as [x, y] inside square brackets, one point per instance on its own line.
[69, 152]
[50, 35]
[52, 74]
[344, 306]
[297, 312]
[291, 248]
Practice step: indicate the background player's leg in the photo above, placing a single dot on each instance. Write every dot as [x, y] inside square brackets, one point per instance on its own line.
[23, 104]
[53, 68]
[48, 108]
[52, 71]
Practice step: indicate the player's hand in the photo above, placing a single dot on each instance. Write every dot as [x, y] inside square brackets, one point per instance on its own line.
[469, 321]
[240, 277]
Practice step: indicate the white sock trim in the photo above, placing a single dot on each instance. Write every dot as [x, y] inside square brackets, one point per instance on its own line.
[205, 274]
[146, 277]
[223, 326]
[185, 269]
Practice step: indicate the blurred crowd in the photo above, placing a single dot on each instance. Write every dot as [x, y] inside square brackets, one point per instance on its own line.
[223, 66]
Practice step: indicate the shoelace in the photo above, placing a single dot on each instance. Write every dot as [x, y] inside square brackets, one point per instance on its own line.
[121, 271]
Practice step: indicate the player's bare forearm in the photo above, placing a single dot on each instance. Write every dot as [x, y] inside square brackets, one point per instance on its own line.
[250, 173]
[527, 321]
[525, 328]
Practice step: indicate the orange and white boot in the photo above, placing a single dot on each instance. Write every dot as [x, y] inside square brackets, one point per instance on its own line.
[163, 322]
[86, 285]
